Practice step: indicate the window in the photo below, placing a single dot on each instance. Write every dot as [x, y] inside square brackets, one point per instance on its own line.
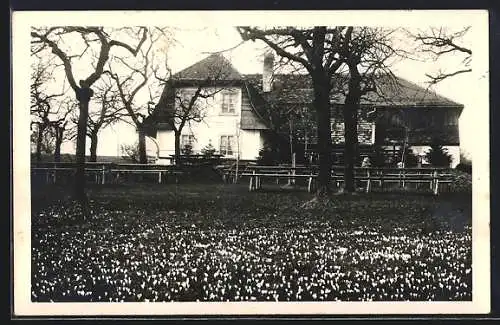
[187, 140]
[450, 118]
[228, 103]
[226, 145]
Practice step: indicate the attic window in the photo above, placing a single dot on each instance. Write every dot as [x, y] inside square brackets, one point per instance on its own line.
[228, 104]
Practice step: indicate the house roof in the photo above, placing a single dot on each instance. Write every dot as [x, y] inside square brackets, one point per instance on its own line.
[297, 89]
[290, 89]
[213, 65]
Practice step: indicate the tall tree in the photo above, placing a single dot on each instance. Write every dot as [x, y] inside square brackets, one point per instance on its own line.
[368, 58]
[347, 59]
[97, 42]
[317, 50]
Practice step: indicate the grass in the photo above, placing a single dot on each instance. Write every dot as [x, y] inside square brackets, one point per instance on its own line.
[215, 242]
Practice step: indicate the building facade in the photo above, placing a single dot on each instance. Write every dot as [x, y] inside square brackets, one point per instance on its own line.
[240, 112]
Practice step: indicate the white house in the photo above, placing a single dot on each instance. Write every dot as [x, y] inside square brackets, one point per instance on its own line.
[222, 116]
[232, 112]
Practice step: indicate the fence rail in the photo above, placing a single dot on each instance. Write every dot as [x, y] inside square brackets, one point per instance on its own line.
[432, 178]
[103, 173]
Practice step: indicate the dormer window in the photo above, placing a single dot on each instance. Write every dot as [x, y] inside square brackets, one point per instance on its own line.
[228, 105]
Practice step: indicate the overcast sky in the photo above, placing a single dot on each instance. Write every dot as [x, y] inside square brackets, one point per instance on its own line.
[196, 39]
[247, 58]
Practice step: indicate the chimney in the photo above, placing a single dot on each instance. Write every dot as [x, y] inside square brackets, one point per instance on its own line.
[267, 75]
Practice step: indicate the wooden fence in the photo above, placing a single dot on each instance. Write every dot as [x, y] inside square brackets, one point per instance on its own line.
[104, 173]
[429, 178]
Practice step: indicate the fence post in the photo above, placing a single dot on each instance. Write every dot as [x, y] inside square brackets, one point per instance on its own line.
[368, 181]
[252, 181]
[381, 173]
[159, 177]
[103, 180]
[436, 182]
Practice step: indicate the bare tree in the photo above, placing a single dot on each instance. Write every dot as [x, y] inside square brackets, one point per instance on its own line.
[63, 128]
[49, 111]
[109, 111]
[368, 58]
[98, 43]
[136, 78]
[317, 50]
[342, 59]
[440, 42]
[182, 101]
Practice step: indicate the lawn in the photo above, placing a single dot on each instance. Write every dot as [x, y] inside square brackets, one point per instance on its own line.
[216, 242]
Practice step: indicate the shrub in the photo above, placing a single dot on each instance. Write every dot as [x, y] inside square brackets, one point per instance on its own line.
[187, 150]
[378, 157]
[410, 158]
[267, 156]
[208, 151]
[438, 156]
[130, 152]
[465, 164]
[464, 168]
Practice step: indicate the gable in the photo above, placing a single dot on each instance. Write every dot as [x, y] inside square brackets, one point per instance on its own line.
[215, 66]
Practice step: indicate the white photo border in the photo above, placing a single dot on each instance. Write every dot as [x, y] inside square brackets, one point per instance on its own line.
[21, 24]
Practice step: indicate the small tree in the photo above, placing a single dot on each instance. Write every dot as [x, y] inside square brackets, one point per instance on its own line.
[437, 155]
[208, 151]
[187, 149]
[182, 100]
[410, 158]
[378, 157]
[107, 111]
[130, 152]
[267, 156]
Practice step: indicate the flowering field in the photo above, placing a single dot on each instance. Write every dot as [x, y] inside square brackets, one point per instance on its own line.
[221, 243]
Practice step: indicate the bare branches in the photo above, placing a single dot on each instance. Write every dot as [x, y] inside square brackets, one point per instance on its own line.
[439, 42]
[53, 36]
[226, 50]
[253, 33]
[43, 38]
[434, 79]
[135, 75]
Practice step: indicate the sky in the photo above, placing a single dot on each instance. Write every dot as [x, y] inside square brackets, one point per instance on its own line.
[195, 41]
[247, 58]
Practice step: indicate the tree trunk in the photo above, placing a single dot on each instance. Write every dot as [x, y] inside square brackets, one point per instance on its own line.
[83, 95]
[143, 159]
[59, 140]
[93, 146]
[322, 106]
[39, 140]
[350, 112]
[177, 153]
[351, 144]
